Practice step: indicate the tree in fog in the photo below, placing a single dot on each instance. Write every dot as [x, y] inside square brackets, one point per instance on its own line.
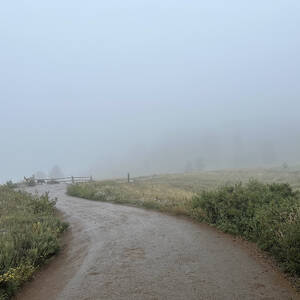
[199, 164]
[40, 175]
[194, 165]
[188, 167]
[238, 151]
[56, 172]
[268, 152]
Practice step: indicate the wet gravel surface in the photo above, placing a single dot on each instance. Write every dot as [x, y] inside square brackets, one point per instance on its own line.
[121, 252]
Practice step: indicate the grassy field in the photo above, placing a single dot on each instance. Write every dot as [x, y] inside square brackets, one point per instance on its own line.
[174, 192]
[29, 235]
[261, 205]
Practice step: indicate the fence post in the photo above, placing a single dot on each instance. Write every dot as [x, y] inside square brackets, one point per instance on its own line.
[128, 177]
[73, 179]
[91, 178]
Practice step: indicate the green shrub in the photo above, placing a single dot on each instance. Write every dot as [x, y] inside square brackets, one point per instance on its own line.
[268, 214]
[30, 181]
[29, 235]
[11, 185]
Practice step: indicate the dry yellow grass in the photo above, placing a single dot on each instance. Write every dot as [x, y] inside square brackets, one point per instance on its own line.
[174, 192]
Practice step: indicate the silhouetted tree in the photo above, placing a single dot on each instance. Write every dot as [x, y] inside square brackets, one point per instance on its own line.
[40, 175]
[56, 172]
[188, 167]
[199, 164]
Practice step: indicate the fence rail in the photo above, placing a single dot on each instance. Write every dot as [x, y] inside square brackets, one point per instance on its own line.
[70, 179]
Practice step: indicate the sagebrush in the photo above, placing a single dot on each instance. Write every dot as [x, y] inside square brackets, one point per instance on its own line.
[29, 235]
[268, 214]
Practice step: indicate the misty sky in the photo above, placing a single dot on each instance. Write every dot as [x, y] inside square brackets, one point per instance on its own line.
[107, 87]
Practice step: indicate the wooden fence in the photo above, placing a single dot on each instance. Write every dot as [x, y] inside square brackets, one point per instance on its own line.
[70, 179]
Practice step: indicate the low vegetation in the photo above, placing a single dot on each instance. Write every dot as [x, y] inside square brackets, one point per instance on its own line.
[29, 235]
[30, 181]
[140, 193]
[268, 214]
[265, 211]
[11, 185]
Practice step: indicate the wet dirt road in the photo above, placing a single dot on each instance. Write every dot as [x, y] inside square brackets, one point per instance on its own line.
[120, 252]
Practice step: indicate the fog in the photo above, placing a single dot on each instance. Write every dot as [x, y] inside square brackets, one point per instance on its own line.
[104, 88]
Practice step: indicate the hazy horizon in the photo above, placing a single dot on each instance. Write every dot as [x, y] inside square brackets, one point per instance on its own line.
[106, 88]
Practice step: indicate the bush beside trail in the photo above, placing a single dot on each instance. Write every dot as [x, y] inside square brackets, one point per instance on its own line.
[29, 235]
[268, 214]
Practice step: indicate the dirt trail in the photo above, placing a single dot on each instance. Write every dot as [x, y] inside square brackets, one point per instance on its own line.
[120, 252]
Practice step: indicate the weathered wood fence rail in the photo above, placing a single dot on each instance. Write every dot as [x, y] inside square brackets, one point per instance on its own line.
[69, 179]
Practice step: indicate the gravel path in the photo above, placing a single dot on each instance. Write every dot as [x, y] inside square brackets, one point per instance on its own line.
[121, 252]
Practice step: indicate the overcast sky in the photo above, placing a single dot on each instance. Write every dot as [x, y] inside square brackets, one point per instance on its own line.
[107, 87]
